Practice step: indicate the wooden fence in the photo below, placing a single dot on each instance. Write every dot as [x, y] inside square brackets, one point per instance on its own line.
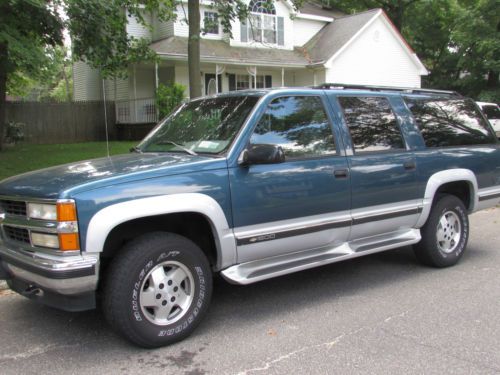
[64, 122]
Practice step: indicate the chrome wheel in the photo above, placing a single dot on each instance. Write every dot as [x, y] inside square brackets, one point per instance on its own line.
[166, 293]
[449, 232]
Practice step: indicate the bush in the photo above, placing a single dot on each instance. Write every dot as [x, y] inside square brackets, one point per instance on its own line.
[168, 97]
[14, 132]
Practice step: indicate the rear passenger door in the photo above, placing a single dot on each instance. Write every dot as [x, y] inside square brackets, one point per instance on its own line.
[382, 167]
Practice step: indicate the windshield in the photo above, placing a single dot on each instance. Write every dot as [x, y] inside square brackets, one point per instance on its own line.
[202, 126]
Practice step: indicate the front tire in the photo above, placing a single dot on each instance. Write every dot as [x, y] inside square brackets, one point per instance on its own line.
[157, 290]
[445, 234]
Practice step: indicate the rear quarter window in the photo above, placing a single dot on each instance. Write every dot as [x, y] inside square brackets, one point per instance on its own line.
[444, 122]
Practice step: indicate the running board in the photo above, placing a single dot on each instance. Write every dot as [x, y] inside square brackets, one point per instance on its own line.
[258, 270]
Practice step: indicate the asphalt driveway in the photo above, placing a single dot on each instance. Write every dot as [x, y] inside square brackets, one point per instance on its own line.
[382, 314]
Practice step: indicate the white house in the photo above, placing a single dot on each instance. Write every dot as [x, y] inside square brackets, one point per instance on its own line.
[274, 47]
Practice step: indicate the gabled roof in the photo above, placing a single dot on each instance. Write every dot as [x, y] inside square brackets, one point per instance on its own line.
[220, 51]
[333, 36]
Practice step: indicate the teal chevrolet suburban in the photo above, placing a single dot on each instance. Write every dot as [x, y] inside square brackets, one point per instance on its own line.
[249, 185]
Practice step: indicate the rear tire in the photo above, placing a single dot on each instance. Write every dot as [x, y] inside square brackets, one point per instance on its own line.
[445, 234]
[157, 290]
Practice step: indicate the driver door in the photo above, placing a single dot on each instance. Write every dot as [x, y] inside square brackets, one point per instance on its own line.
[302, 203]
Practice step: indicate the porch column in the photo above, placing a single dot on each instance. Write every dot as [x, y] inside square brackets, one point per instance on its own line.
[219, 69]
[314, 77]
[282, 77]
[252, 72]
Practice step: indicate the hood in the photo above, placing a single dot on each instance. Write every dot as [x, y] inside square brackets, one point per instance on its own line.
[64, 180]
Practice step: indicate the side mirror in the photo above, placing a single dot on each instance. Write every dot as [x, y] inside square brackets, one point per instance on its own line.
[261, 154]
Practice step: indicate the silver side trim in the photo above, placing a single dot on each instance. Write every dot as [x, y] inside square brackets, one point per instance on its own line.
[258, 270]
[108, 218]
[443, 177]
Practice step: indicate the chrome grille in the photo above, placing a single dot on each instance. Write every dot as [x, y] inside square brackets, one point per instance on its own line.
[17, 208]
[17, 234]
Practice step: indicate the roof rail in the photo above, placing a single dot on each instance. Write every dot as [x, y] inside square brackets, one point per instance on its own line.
[407, 90]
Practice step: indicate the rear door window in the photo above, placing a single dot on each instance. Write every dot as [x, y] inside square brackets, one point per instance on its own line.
[372, 124]
[455, 122]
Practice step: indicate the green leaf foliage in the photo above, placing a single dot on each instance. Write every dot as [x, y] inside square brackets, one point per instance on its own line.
[168, 97]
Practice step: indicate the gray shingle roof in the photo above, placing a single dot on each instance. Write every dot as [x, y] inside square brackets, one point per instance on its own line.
[322, 46]
[318, 10]
[333, 36]
[221, 51]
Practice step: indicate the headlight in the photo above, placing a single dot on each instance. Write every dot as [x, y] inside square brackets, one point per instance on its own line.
[45, 240]
[42, 211]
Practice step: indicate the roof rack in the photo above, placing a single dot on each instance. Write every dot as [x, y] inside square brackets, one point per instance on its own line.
[406, 90]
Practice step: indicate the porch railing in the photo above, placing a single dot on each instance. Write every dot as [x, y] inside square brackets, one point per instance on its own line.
[138, 111]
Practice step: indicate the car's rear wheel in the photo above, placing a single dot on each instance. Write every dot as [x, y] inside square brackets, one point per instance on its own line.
[445, 234]
[158, 289]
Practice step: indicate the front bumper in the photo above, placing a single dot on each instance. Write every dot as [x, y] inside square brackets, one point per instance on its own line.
[64, 282]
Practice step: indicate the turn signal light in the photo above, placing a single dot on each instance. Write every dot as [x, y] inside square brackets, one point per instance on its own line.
[69, 241]
[66, 211]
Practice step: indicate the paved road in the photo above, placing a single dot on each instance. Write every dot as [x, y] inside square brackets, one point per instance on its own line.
[380, 314]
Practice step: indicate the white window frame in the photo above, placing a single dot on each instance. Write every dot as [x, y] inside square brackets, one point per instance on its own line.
[243, 78]
[251, 28]
[205, 13]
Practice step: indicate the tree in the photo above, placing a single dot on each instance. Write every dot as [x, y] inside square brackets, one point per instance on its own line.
[28, 29]
[397, 10]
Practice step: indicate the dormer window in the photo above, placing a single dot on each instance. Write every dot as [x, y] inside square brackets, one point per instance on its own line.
[263, 25]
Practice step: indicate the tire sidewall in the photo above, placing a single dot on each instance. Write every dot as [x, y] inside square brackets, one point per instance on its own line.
[164, 334]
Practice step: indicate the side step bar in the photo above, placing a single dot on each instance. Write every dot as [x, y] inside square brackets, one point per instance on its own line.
[258, 270]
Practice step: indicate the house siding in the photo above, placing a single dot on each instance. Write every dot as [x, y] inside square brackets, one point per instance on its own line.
[303, 30]
[137, 30]
[86, 82]
[376, 57]
[162, 29]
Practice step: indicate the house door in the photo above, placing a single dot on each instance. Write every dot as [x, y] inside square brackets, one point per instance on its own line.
[210, 84]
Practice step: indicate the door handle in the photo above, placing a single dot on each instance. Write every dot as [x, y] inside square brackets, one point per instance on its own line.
[341, 173]
[410, 165]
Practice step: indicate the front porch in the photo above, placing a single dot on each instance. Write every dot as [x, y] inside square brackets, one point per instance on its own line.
[138, 106]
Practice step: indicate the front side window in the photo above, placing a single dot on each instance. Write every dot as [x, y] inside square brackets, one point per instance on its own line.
[372, 124]
[445, 122]
[299, 125]
[211, 23]
[202, 126]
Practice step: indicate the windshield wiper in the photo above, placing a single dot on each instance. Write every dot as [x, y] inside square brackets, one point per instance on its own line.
[187, 150]
[136, 149]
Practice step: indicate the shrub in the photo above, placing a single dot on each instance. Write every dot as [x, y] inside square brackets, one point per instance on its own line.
[14, 132]
[168, 97]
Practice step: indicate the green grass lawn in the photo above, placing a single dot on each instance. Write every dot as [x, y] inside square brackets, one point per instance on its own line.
[24, 157]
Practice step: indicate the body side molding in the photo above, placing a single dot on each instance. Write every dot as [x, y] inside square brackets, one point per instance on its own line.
[443, 177]
[108, 218]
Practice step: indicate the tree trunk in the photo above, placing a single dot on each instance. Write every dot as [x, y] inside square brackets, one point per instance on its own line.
[194, 48]
[3, 90]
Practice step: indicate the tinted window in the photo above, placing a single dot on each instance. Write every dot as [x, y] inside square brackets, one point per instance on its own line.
[372, 124]
[492, 112]
[449, 122]
[298, 124]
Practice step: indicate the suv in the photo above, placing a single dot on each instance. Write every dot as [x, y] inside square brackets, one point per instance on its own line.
[250, 185]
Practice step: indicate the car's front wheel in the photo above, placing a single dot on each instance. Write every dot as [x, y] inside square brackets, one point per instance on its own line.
[158, 289]
[445, 234]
